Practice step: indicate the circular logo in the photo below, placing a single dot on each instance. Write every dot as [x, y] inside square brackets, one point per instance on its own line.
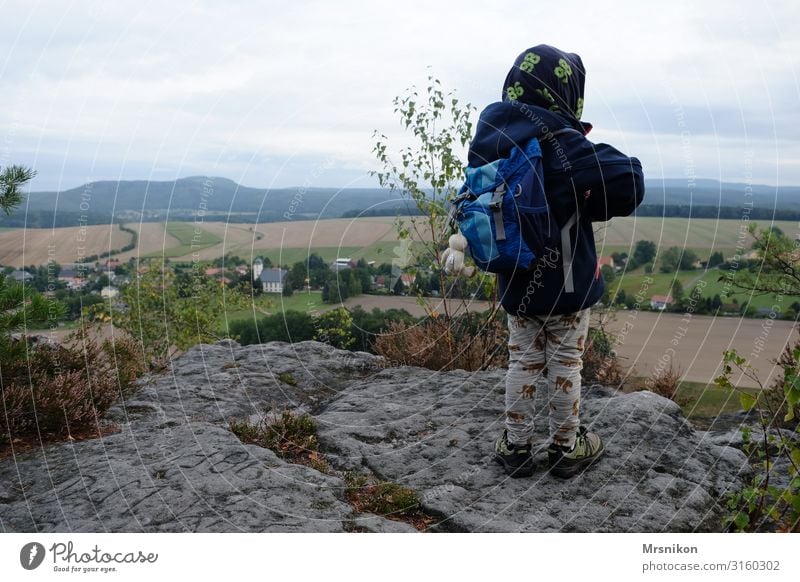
[31, 555]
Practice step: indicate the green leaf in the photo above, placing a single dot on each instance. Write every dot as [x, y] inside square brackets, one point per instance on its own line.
[741, 520]
[747, 400]
[795, 456]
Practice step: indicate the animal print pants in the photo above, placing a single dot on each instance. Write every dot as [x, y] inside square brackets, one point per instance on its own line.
[545, 352]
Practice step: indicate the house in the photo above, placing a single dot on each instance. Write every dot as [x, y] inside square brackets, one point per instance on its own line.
[408, 279]
[242, 270]
[768, 312]
[608, 261]
[661, 302]
[109, 292]
[272, 280]
[213, 271]
[342, 263]
[74, 278]
[21, 276]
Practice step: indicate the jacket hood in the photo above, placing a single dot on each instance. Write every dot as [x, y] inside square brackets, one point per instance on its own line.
[549, 78]
[506, 124]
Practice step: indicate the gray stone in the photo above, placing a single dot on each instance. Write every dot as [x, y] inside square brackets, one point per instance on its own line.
[174, 466]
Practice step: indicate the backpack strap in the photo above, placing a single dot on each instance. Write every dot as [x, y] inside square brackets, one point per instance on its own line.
[497, 211]
[566, 249]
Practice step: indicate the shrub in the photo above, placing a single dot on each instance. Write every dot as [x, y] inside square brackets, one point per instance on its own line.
[335, 327]
[770, 499]
[289, 326]
[290, 436]
[600, 361]
[666, 383]
[61, 389]
[773, 398]
[468, 342]
[380, 497]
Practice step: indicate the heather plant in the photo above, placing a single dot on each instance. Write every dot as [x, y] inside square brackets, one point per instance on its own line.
[60, 389]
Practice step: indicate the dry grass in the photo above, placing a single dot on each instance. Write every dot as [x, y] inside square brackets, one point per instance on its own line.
[439, 343]
[666, 383]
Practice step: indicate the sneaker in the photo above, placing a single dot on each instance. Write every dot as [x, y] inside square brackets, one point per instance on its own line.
[566, 463]
[516, 459]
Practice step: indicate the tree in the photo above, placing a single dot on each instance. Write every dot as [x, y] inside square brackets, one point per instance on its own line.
[677, 293]
[715, 259]
[20, 308]
[335, 327]
[429, 173]
[164, 314]
[296, 277]
[676, 259]
[778, 265]
[608, 273]
[12, 179]
[644, 252]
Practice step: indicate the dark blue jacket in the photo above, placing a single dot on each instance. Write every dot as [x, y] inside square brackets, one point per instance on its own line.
[584, 182]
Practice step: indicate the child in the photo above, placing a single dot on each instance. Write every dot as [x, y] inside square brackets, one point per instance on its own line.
[548, 305]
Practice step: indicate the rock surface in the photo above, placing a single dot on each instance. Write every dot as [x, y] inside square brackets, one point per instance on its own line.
[175, 466]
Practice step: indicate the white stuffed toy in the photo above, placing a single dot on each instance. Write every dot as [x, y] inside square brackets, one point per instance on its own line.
[453, 257]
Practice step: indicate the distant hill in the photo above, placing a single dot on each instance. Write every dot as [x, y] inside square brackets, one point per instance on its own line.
[219, 198]
[678, 191]
[223, 199]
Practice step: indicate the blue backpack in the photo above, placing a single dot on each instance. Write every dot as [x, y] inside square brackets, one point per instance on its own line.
[503, 213]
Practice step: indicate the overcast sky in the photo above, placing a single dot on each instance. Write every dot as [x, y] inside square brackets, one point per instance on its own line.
[288, 93]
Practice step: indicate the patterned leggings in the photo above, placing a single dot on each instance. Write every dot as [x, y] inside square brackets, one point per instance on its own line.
[545, 348]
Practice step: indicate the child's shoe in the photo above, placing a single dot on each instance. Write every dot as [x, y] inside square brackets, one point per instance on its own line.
[516, 459]
[566, 463]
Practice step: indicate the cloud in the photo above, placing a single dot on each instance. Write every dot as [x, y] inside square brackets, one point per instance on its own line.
[132, 89]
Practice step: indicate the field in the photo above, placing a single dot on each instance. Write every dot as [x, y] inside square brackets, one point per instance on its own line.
[269, 304]
[660, 284]
[368, 238]
[289, 242]
[700, 234]
[35, 246]
[191, 238]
